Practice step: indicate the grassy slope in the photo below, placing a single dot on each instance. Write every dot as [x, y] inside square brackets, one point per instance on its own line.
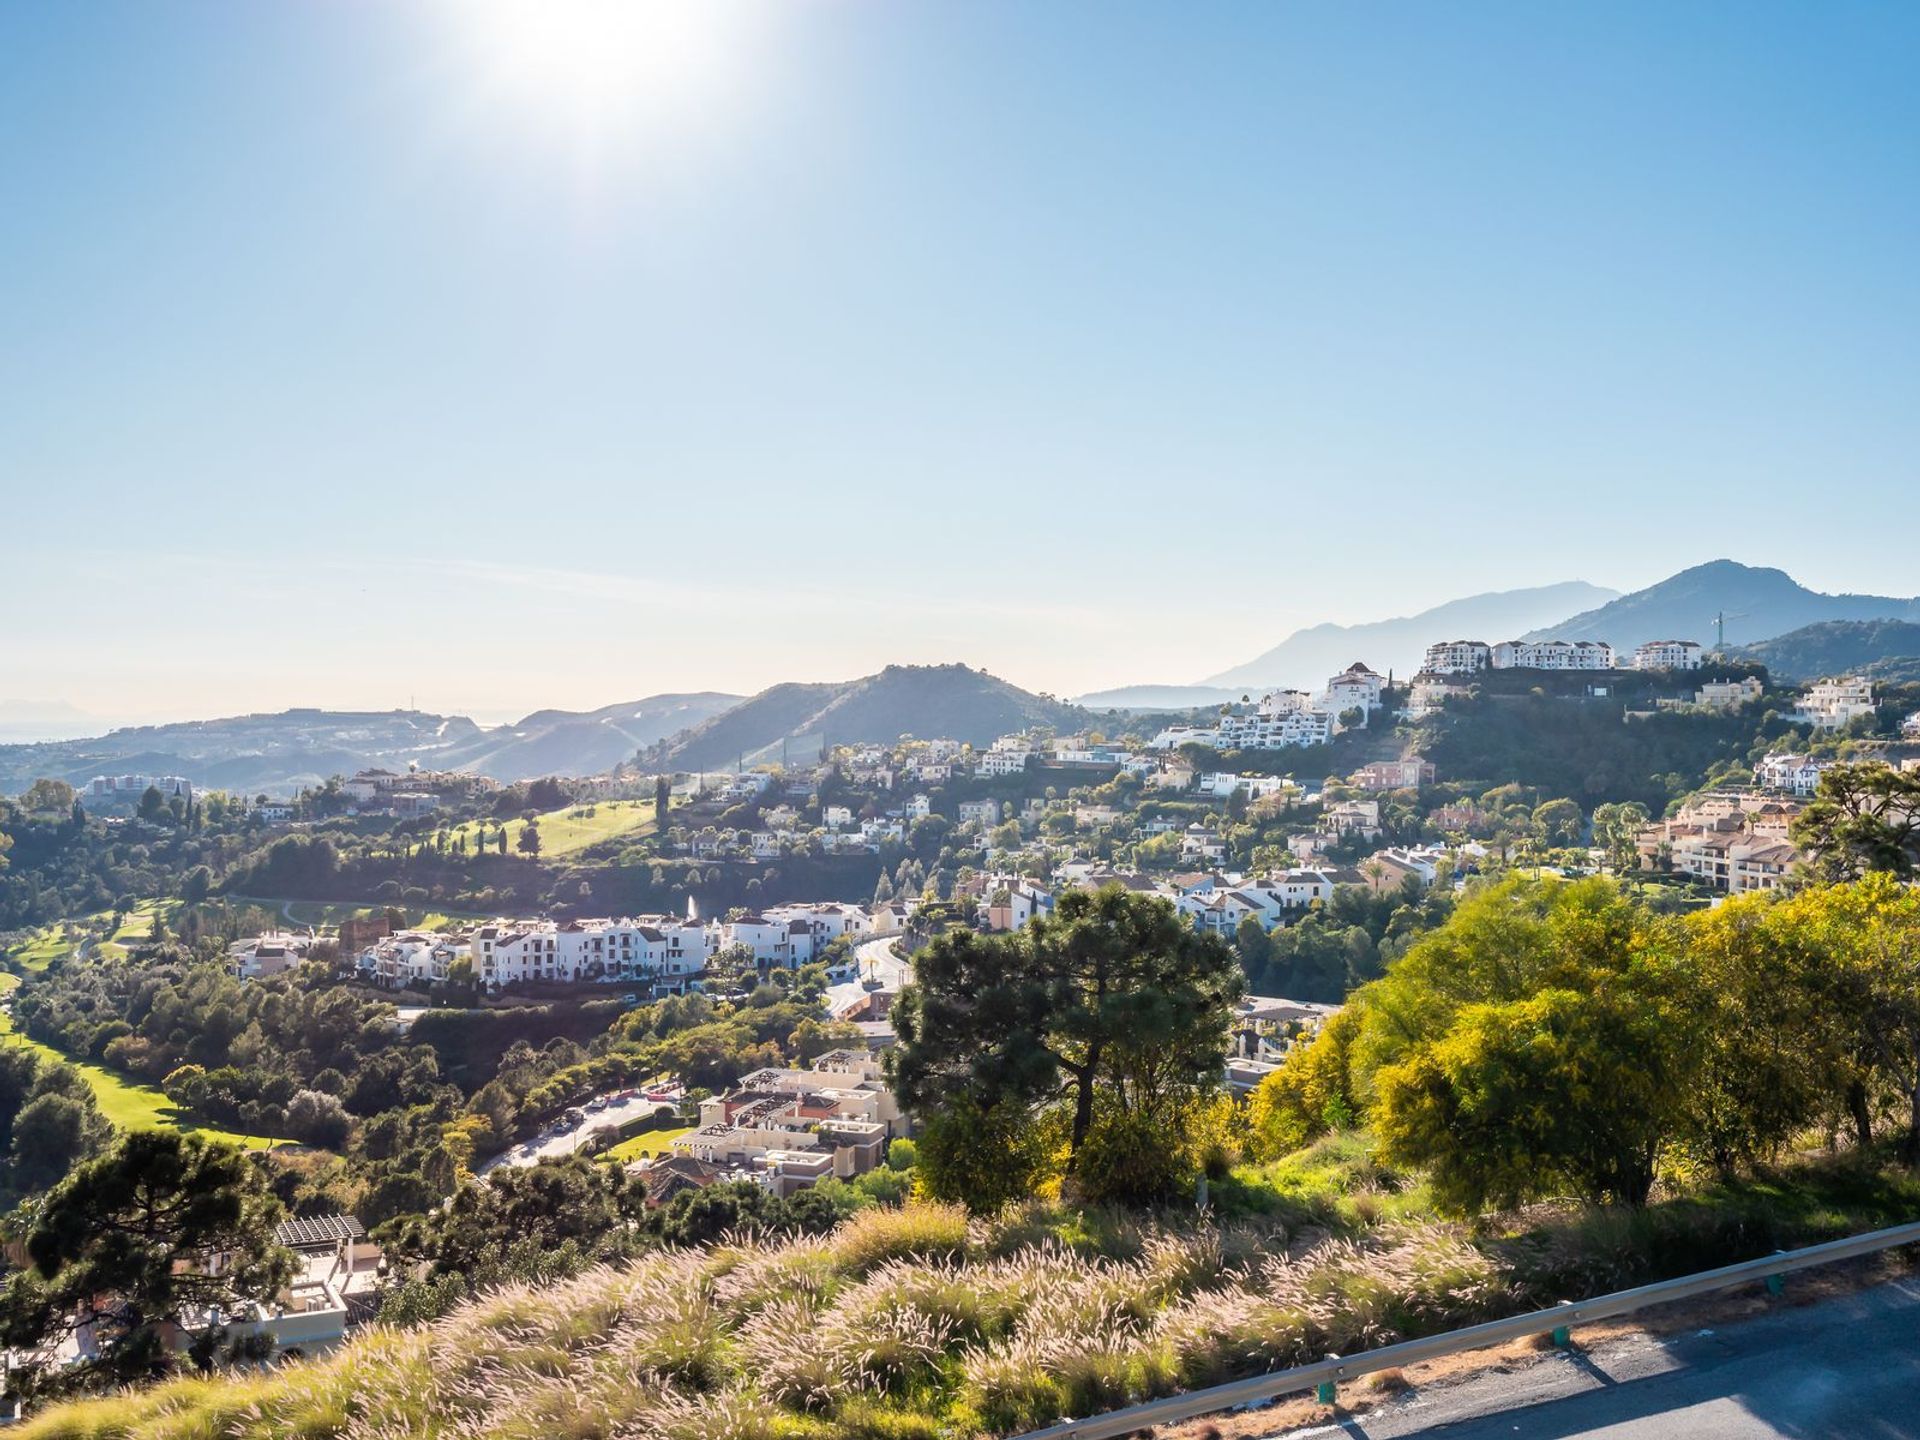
[571, 830]
[127, 1103]
[915, 1322]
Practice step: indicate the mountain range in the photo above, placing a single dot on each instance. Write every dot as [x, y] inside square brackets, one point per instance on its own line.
[1759, 603]
[1307, 657]
[283, 751]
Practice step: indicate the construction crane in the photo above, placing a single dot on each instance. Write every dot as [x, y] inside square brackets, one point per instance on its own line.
[1720, 628]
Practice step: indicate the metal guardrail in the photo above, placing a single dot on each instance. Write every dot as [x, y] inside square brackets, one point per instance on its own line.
[1257, 1389]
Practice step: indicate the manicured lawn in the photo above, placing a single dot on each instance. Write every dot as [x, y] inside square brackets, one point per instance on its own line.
[128, 1104]
[653, 1142]
[568, 831]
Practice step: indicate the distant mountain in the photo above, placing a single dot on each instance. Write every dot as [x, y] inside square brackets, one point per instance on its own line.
[1158, 697]
[1306, 658]
[571, 743]
[1759, 604]
[280, 753]
[800, 720]
[1884, 649]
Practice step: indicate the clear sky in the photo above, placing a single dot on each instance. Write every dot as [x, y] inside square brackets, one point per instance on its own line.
[499, 356]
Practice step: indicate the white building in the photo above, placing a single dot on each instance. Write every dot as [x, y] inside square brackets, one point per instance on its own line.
[412, 957]
[262, 955]
[984, 813]
[836, 817]
[1431, 691]
[1791, 774]
[509, 953]
[1221, 784]
[1002, 762]
[1355, 688]
[1729, 694]
[1667, 655]
[1352, 817]
[1553, 655]
[1458, 657]
[1834, 703]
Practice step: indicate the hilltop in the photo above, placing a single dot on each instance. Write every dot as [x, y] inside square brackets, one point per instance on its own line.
[1759, 604]
[1307, 657]
[804, 719]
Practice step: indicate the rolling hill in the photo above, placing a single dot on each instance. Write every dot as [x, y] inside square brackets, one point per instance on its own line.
[1883, 649]
[1307, 657]
[925, 700]
[1759, 604]
[281, 752]
[570, 743]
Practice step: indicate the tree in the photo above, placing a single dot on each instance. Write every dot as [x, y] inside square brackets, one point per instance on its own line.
[48, 797]
[1114, 994]
[1864, 818]
[1558, 822]
[152, 804]
[1615, 829]
[982, 1157]
[123, 1245]
[1563, 1091]
[53, 1133]
[318, 1119]
[662, 801]
[529, 842]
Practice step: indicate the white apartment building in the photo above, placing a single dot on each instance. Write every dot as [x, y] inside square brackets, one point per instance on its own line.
[1787, 774]
[1282, 721]
[1553, 655]
[1729, 694]
[1834, 703]
[412, 957]
[1001, 762]
[1458, 657]
[836, 817]
[508, 953]
[984, 813]
[1667, 655]
[1355, 688]
[1910, 726]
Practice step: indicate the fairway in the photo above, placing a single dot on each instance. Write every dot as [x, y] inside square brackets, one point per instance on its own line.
[126, 1103]
[572, 829]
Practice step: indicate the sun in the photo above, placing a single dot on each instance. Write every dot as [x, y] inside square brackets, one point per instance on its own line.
[601, 66]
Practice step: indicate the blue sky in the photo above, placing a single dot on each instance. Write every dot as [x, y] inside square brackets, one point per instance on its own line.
[346, 358]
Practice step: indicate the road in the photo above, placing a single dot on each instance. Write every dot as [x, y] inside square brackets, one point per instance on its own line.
[1843, 1368]
[876, 961]
[556, 1144]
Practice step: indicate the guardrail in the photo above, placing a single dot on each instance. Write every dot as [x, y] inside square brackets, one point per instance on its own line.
[1324, 1375]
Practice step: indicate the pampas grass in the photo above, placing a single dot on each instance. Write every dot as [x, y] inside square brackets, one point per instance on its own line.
[897, 1326]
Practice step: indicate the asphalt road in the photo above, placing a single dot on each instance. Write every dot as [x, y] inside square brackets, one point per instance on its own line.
[1843, 1369]
[569, 1139]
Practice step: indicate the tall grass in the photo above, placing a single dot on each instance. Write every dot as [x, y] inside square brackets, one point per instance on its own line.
[902, 1325]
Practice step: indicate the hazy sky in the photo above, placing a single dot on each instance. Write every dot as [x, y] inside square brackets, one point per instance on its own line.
[354, 352]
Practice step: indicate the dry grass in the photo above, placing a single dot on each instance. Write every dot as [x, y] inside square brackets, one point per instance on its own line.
[901, 1323]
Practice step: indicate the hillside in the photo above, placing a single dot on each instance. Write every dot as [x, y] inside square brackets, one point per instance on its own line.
[1307, 657]
[1759, 604]
[570, 743]
[282, 752]
[924, 700]
[277, 752]
[1884, 649]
